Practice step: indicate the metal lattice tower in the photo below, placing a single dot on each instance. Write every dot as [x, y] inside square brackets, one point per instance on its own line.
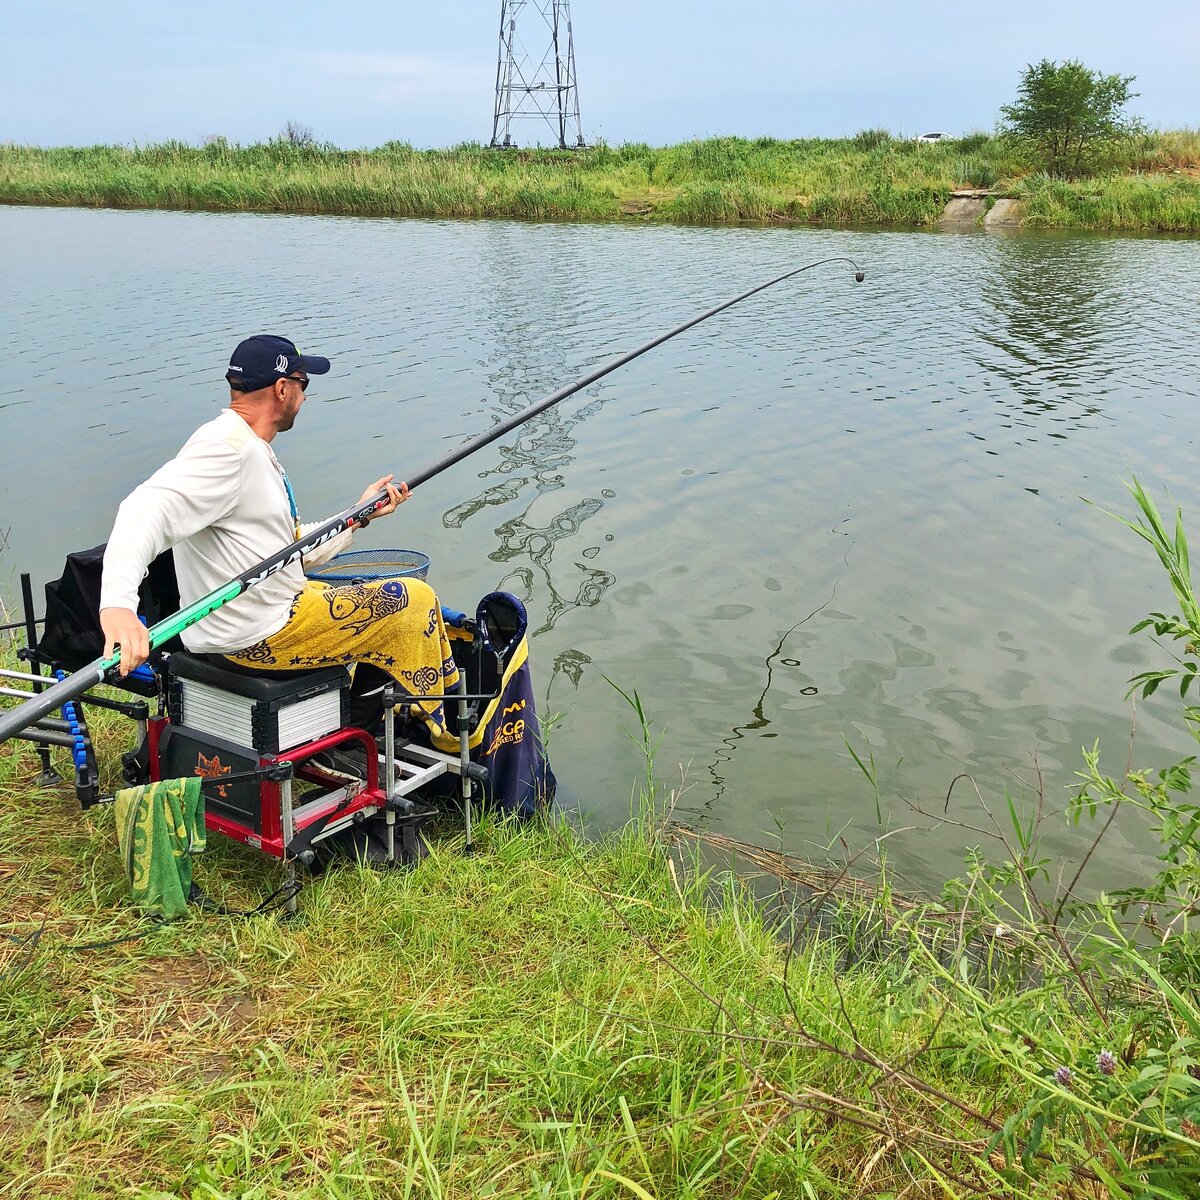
[537, 86]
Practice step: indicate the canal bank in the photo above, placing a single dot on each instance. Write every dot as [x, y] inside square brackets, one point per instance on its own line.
[871, 179]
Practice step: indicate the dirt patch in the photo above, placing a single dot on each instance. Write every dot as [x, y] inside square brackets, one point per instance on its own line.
[184, 1013]
[167, 996]
[18, 1117]
[170, 976]
[212, 1067]
[172, 996]
[238, 1011]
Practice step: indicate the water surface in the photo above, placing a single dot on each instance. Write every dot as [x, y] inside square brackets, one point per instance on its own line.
[834, 513]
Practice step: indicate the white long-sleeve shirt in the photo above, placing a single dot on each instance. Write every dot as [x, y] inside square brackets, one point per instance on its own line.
[222, 504]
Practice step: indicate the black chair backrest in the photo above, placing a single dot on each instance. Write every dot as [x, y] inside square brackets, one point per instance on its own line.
[72, 637]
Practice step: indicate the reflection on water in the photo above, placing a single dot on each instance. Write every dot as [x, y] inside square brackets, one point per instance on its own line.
[568, 663]
[519, 539]
[682, 528]
[525, 298]
[1053, 305]
[759, 721]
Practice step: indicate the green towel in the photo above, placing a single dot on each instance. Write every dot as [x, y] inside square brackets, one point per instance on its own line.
[159, 827]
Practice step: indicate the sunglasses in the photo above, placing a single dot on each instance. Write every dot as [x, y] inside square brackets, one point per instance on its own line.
[303, 382]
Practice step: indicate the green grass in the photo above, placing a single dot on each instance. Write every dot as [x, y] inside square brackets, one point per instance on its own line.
[556, 1017]
[870, 179]
[1162, 202]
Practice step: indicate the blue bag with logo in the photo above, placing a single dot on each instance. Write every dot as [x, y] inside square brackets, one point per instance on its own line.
[507, 737]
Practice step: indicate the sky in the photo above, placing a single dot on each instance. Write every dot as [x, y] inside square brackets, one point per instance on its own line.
[361, 72]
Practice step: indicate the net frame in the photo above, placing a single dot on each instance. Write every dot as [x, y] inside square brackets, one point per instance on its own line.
[355, 566]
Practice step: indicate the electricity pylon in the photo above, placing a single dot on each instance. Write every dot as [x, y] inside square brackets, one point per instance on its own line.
[537, 86]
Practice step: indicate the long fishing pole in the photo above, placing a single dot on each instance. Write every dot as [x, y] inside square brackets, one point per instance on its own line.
[55, 696]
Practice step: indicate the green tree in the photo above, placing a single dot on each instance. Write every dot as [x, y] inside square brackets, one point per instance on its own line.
[1067, 112]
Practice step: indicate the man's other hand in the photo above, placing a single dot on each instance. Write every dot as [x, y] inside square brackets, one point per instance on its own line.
[122, 627]
[397, 494]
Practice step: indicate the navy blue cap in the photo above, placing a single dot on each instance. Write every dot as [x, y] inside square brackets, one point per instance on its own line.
[260, 360]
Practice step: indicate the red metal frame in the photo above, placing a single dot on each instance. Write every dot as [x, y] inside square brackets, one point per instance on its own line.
[270, 839]
[154, 728]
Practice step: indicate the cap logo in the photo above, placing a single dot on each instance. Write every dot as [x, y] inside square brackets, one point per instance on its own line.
[281, 364]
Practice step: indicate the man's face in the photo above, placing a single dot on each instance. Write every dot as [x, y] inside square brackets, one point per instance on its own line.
[293, 398]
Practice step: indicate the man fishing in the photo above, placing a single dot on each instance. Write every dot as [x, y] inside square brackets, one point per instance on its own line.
[223, 503]
[233, 589]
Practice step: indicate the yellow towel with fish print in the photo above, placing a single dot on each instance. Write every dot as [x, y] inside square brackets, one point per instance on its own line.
[394, 624]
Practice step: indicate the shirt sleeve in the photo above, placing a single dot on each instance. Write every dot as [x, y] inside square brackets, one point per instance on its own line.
[195, 489]
[326, 551]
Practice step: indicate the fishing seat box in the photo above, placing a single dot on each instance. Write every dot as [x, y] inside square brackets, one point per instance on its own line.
[269, 712]
[225, 720]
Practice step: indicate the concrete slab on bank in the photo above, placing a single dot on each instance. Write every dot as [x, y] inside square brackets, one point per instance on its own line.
[1004, 214]
[969, 209]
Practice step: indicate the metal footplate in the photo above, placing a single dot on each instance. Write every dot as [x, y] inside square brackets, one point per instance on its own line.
[413, 767]
[439, 763]
[306, 814]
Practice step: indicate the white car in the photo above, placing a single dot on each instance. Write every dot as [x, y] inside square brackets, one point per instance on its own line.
[935, 137]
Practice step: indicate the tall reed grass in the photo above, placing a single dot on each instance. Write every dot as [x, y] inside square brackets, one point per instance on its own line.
[872, 178]
[1161, 202]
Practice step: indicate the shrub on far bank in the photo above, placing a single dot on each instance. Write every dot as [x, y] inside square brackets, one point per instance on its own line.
[868, 139]
[1067, 115]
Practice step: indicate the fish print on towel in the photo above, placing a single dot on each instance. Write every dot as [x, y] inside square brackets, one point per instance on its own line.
[392, 623]
[357, 606]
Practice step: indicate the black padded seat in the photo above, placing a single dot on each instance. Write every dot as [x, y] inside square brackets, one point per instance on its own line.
[218, 671]
[236, 668]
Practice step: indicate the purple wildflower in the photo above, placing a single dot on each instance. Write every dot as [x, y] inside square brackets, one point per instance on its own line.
[1063, 1076]
[1106, 1062]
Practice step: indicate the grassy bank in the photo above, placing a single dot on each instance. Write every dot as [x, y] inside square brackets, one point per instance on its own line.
[871, 179]
[567, 1018]
[563, 1017]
